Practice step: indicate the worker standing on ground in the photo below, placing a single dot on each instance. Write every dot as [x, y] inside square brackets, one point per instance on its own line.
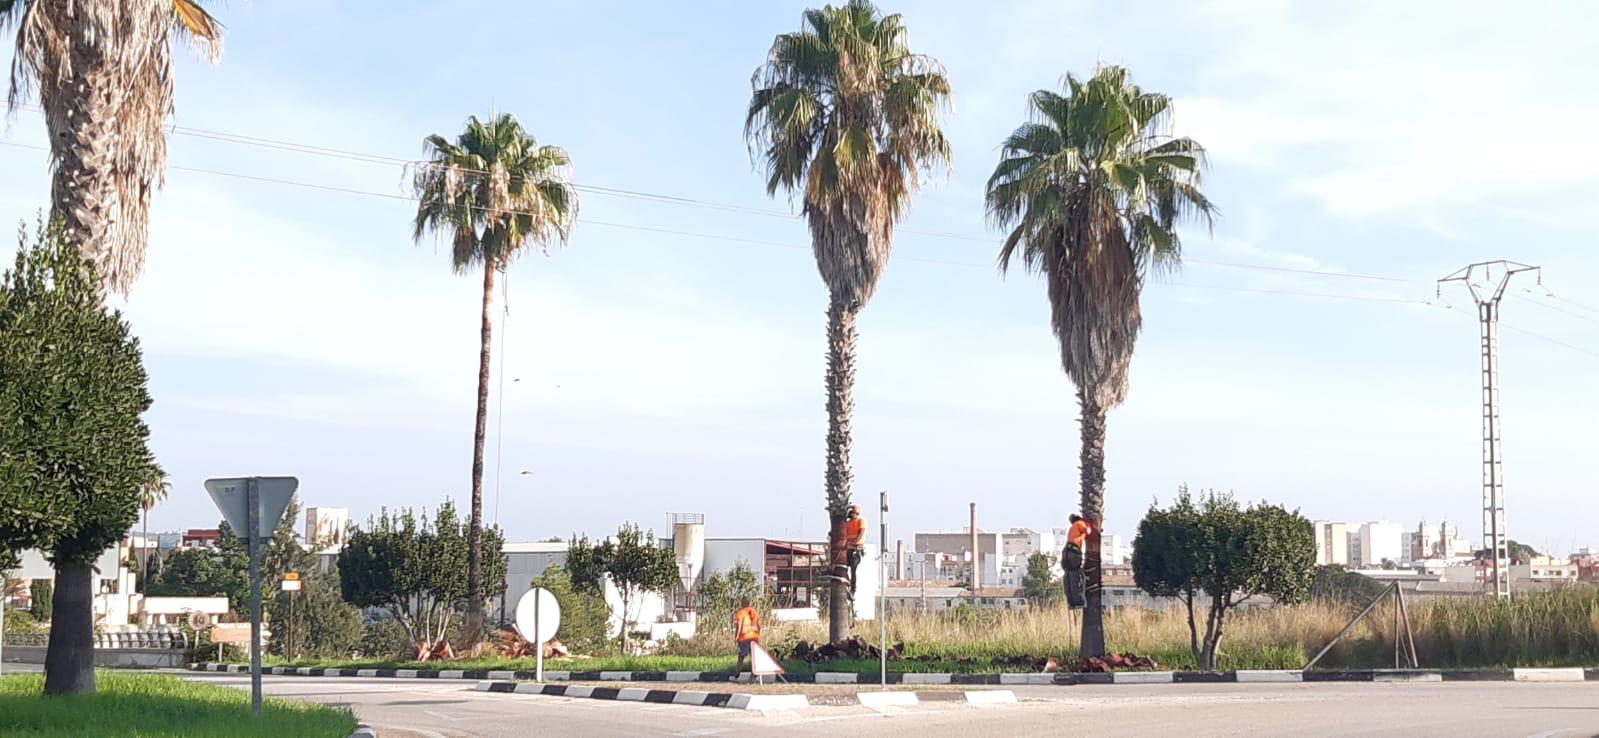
[854, 543]
[1072, 559]
[747, 630]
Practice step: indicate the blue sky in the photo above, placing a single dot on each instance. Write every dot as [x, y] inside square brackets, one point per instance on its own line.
[290, 330]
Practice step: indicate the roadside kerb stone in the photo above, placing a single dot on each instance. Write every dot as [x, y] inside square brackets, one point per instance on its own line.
[1406, 675]
[1268, 676]
[1574, 674]
[1549, 675]
[1141, 677]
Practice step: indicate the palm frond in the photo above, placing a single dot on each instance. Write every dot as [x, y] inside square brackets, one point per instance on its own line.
[492, 192]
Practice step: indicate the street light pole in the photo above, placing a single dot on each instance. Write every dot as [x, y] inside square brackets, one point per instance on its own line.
[882, 587]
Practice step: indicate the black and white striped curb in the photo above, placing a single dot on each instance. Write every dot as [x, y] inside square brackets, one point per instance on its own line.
[364, 731]
[738, 701]
[1061, 678]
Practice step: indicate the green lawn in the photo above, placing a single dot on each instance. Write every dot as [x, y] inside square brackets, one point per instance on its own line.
[158, 706]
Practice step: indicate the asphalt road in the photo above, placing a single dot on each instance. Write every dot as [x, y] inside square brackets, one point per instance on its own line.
[403, 708]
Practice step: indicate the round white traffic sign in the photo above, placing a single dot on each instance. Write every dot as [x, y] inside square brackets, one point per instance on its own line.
[538, 604]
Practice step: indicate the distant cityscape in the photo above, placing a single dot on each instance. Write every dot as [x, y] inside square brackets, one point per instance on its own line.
[925, 571]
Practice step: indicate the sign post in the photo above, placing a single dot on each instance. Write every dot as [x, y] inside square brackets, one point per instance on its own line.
[882, 586]
[253, 505]
[252, 494]
[538, 616]
[291, 584]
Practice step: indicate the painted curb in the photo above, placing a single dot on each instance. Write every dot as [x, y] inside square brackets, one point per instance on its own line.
[991, 697]
[656, 696]
[741, 701]
[877, 700]
[1268, 676]
[364, 731]
[1548, 675]
[1573, 674]
[1406, 675]
[1142, 677]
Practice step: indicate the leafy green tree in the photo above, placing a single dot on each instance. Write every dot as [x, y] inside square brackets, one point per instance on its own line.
[845, 115]
[416, 569]
[73, 443]
[1338, 586]
[41, 599]
[719, 596]
[631, 561]
[491, 192]
[196, 572]
[1092, 189]
[584, 616]
[1225, 553]
[314, 622]
[103, 72]
[225, 570]
[1039, 585]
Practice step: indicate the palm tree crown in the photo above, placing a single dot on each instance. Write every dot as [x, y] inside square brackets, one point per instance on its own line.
[104, 74]
[1092, 189]
[843, 112]
[492, 191]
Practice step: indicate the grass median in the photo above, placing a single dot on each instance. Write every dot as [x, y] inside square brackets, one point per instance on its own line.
[158, 706]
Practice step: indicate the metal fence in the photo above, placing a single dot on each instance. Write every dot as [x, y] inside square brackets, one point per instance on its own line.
[174, 640]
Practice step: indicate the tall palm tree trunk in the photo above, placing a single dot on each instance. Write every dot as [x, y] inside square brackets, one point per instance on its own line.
[69, 660]
[144, 546]
[472, 628]
[82, 131]
[841, 336]
[1093, 503]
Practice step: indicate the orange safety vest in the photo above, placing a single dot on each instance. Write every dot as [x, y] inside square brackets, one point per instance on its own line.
[748, 623]
[1079, 533]
[854, 533]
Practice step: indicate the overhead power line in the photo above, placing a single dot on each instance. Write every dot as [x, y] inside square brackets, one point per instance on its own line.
[900, 258]
[326, 151]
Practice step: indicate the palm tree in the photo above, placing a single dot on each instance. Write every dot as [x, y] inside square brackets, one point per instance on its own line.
[153, 493]
[104, 75]
[1092, 189]
[845, 115]
[491, 192]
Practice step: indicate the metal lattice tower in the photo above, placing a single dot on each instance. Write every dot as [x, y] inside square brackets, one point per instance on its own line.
[1487, 281]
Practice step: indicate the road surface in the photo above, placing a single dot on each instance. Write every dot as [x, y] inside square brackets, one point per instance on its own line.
[412, 708]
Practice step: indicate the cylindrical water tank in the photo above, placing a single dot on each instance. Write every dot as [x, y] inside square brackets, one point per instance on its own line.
[688, 543]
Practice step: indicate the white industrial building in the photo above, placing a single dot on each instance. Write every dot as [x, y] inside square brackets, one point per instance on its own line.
[793, 572]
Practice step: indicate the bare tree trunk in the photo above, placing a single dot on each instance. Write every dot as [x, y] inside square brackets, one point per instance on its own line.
[472, 626]
[1193, 629]
[1093, 504]
[69, 661]
[841, 336]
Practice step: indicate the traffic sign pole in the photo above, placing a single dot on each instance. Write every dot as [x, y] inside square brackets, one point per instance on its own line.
[538, 674]
[251, 494]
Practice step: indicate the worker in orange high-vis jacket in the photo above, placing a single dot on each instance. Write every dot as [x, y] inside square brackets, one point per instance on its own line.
[1072, 560]
[747, 630]
[854, 543]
